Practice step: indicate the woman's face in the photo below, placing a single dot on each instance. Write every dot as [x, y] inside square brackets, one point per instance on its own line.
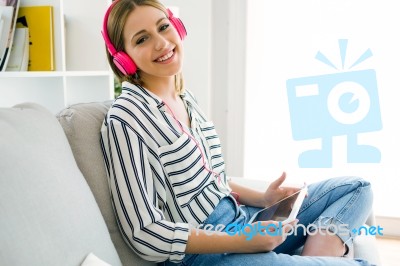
[152, 42]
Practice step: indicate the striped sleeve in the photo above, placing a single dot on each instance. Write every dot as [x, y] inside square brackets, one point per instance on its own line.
[142, 224]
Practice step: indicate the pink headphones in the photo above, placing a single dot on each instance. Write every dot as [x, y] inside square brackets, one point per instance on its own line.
[122, 60]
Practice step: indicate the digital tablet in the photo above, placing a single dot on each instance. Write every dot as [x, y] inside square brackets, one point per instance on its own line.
[284, 211]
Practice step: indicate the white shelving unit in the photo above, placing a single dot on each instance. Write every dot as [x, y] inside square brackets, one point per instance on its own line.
[82, 73]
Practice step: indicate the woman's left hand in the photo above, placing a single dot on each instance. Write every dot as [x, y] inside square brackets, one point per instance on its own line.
[275, 192]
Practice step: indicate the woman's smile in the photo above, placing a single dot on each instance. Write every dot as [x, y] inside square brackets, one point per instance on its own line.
[165, 58]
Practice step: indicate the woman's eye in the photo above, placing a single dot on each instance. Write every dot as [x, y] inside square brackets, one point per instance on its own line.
[144, 38]
[141, 40]
[164, 27]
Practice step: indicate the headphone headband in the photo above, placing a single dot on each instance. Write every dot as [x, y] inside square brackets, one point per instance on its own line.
[104, 32]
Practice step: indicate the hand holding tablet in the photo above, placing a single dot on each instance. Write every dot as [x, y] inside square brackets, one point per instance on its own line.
[285, 210]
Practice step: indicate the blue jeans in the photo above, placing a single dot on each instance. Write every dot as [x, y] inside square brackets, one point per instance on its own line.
[336, 201]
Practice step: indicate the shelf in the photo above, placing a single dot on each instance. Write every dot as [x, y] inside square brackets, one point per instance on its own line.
[32, 74]
[82, 71]
[51, 74]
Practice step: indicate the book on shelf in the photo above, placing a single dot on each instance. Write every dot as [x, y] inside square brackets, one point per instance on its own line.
[8, 17]
[39, 21]
[19, 55]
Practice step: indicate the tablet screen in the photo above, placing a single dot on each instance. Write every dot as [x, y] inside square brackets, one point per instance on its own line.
[280, 211]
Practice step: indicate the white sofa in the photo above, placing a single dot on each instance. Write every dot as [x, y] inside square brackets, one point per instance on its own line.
[55, 207]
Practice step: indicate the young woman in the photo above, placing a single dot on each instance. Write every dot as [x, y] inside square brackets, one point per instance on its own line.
[166, 169]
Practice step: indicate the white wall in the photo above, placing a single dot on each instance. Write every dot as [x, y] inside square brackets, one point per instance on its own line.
[228, 79]
[282, 45]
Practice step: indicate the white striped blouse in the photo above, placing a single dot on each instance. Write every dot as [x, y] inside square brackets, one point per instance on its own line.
[158, 183]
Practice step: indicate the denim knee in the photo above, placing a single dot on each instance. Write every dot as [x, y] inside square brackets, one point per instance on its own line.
[367, 188]
[358, 182]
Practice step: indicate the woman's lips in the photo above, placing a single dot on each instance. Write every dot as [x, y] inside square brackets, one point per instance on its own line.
[165, 57]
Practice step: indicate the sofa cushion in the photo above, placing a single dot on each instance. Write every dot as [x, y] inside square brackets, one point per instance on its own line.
[82, 123]
[48, 213]
[366, 247]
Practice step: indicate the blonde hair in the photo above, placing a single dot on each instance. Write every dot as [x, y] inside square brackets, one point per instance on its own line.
[115, 26]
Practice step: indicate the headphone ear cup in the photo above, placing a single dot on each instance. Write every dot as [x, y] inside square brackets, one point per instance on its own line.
[178, 25]
[124, 63]
[180, 28]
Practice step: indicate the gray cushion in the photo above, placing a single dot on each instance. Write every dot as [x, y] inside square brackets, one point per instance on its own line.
[48, 213]
[82, 123]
